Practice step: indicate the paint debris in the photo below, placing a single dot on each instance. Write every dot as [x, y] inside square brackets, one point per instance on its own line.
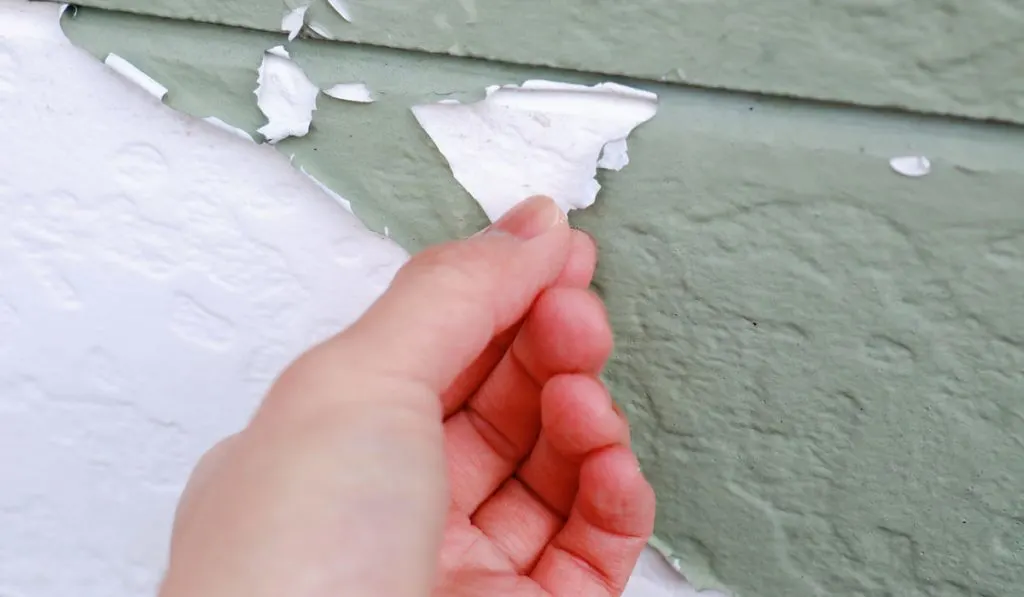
[913, 166]
[293, 21]
[230, 129]
[341, 8]
[351, 92]
[285, 95]
[343, 201]
[132, 73]
[541, 137]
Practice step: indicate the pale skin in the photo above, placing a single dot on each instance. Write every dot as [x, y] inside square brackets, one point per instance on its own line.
[455, 441]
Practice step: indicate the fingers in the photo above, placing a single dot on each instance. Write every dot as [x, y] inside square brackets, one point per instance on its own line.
[567, 331]
[579, 267]
[578, 419]
[577, 273]
[610, 522]
[446, 305]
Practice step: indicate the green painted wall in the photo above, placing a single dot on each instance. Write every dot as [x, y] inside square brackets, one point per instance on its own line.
[963, 57]
[824, 360]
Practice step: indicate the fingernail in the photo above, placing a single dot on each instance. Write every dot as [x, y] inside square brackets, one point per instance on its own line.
[530, 219]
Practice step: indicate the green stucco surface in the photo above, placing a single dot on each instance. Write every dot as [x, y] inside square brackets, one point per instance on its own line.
[963, 57]
[823, 360]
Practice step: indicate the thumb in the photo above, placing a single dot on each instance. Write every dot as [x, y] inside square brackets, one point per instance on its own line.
[447, 303]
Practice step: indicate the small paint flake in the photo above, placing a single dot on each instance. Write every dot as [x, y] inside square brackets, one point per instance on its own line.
[351, 92]
[285, 95]
[293, 21]
[913, 166]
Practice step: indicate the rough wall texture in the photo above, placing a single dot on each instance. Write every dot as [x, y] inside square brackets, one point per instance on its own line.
[824, 360]
[155, 275]
[946, 56]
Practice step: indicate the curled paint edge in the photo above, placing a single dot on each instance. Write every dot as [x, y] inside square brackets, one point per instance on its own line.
[326, 189]
[561, 98]
[132, 73]
[340, 8]
[606, 87]
[913, 166]
[351, 92]
[293, 21]
[319, 30]
[230, 129]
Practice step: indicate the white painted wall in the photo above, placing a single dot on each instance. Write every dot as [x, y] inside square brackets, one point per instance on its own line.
[155, 274]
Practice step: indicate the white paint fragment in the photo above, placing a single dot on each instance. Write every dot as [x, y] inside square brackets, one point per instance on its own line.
[351, 92]
[132, 73]
[541, 137]
[233, 130]
[293, 21]
[285, 95]
[914, 166]
[341, 8]
[344, 202]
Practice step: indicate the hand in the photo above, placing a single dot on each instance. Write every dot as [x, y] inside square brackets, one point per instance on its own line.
[456, 440]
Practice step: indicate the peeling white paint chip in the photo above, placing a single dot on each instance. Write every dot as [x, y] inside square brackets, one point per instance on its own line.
[132, 73]
[293, 21]
[351, 92]
[341, 8]
[914, 166]
[285, 95]
[541, 137]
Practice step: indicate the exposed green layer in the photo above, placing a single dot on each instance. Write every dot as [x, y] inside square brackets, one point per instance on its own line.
[823, 360]
[960, 57]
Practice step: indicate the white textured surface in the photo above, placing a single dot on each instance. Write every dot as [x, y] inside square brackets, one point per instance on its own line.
[155, 274]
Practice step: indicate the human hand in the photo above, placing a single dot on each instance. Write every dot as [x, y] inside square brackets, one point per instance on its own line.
[454, 441]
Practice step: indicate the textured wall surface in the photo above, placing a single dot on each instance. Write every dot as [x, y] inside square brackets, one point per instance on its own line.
[824, 360]
[155, 274]
[947, 56]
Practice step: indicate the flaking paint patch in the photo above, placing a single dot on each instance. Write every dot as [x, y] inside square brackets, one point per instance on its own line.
[551, 138]
[285, 95]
